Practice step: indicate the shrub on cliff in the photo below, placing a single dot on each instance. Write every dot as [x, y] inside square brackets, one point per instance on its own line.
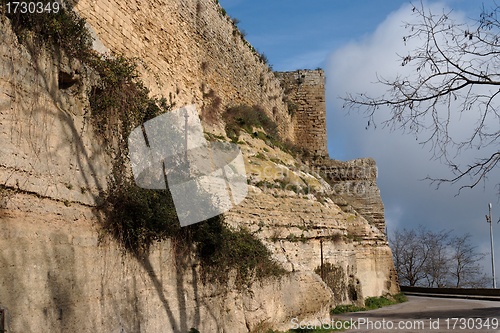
[60, 27]
[246, 117]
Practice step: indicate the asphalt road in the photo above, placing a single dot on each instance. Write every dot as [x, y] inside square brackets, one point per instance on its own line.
[428, 314]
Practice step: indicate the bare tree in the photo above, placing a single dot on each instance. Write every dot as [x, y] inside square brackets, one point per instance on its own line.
[465, 268]
[437, 265]
[409, 257]
[455, 71]
[436, 259]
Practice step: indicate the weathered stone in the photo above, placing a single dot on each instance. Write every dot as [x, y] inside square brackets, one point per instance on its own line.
[305, 93]
[90, 285]
[355, 182]
[192, 54]
[55, 263]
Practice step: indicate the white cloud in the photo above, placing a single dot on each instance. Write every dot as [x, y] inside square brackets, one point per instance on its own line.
[401, 159]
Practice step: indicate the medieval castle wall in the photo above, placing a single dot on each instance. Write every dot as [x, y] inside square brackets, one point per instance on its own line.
[305, 92]
[191, 53]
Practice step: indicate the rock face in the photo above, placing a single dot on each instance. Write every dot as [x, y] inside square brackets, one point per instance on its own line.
[293, 210]
[55, 262]
[355, 183]
[58, 265]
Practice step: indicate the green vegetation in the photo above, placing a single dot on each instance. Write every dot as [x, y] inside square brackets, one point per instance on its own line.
[371, 303]
[335, 237]
[137, 217]
[263, 58]
[121, 102]
[261, 156]
[335, 278]
[339, 309]
[292, 107]
[294, 238]
[3, 190]
[211, 106]
[64, 29]
[213, 138]
[246, 118]
[222, 250]
[400, 298]
[5, 193]
[250, 119]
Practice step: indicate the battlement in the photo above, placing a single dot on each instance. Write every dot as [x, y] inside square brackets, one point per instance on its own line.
[356, 182]
[305, 93]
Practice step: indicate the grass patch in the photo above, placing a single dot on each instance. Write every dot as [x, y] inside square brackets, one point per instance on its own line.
[339, 309]
[244, 117]
[400, 298]
[371, 303]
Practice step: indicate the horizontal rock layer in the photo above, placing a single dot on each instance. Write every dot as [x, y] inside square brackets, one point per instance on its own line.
[55, 262]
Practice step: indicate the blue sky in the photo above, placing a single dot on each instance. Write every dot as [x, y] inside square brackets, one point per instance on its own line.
[353, 40]
[297, 34]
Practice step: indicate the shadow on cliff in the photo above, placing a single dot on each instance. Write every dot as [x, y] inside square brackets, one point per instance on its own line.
[46, 284]
[180, 316]
[61, 278]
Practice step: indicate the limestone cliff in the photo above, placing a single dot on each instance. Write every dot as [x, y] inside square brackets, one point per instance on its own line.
[58, 265]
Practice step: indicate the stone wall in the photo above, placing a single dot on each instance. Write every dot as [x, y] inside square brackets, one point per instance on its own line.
[191, 53]
[296, 227]
[59, 271]
[295, 212]
[305, 92]
[354, 183]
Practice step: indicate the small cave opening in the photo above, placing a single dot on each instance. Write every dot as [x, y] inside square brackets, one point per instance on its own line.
[66, 80]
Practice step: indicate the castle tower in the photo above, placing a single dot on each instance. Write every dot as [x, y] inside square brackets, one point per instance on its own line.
[305, 91]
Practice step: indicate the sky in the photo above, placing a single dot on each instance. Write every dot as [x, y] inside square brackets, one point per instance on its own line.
[353, 41]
